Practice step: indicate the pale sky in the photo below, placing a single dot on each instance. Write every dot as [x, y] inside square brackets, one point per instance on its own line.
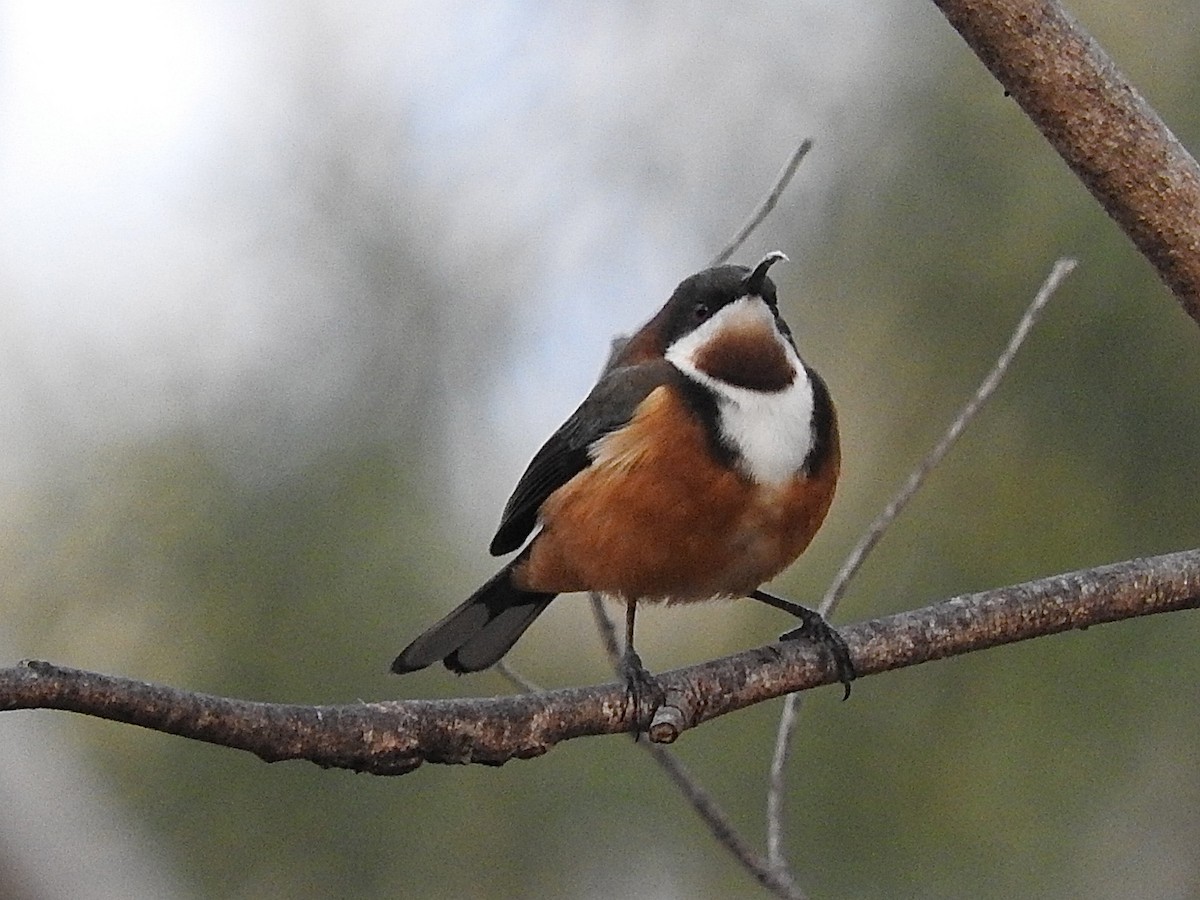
[561, 140]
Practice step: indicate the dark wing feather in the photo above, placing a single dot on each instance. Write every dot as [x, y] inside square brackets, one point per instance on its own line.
[610, 405]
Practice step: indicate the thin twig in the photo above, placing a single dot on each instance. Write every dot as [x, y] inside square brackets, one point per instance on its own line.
[789, 716]
[768, 204]
[1062, 268]
[608, 631]
[779, 882]
[522, 683]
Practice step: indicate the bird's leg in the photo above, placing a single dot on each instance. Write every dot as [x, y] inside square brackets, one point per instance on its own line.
[814, 627]
[640, 686]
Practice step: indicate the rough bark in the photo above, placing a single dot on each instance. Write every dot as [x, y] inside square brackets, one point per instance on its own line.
[394, 737]
[1098, 123]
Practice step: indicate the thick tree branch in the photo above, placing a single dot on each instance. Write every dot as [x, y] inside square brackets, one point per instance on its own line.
[394, 737]
[1099, 124]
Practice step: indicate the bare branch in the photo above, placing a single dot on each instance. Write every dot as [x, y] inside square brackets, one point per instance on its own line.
[837, 588]
[516, 679]
[789, 718]
[778, 881]
[604, 625]
[768, 204]
[1099, 124]
[394, 737]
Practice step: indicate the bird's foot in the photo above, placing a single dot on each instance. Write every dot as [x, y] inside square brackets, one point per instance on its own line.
[813, 627]
[642, 690]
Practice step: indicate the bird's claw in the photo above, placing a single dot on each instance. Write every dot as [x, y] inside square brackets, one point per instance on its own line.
[642, 690]
[813, 627]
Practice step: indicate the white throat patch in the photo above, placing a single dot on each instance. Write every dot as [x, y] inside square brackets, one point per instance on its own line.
[772, 431]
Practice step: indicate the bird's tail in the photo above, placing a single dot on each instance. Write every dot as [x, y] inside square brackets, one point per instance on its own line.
[480, 631]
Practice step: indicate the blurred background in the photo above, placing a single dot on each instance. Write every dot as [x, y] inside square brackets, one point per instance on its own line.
[289, 294]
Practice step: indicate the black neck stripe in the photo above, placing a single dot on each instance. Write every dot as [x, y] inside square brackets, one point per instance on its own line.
[702, 401]
[822, 425]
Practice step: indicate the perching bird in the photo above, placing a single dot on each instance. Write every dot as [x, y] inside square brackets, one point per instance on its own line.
[699, 467]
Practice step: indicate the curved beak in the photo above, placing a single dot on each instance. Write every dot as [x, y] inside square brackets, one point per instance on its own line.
[753, 283]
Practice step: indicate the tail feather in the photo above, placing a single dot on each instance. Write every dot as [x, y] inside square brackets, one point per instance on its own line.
[480, 631]
[496, 637]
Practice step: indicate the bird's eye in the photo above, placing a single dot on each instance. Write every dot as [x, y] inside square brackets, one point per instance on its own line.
[701, 311]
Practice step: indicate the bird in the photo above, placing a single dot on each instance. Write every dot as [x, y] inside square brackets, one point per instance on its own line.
[699, 467]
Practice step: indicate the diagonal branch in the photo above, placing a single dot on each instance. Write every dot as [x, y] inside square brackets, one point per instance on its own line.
[394, 737]
[875, 531]
[766, 206]
[774, 878]
[1098, 123]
